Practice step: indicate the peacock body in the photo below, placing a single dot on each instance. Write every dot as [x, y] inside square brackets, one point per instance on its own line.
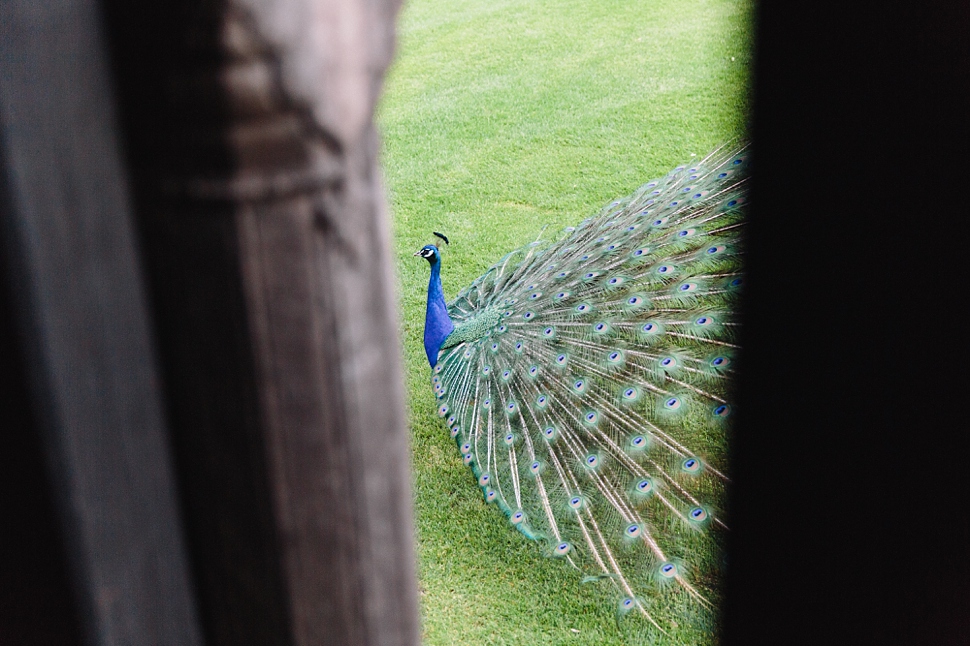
[586, 382]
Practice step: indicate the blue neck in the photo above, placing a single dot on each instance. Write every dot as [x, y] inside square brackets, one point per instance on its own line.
[437, 324]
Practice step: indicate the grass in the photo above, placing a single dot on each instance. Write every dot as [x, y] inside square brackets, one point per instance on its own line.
[500, 117]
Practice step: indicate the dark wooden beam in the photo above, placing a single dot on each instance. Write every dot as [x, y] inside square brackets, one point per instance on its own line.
[250, 138]
[83, 341]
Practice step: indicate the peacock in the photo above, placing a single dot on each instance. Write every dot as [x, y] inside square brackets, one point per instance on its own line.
[586, 381]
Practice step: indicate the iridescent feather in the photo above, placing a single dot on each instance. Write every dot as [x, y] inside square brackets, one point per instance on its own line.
[587, 386]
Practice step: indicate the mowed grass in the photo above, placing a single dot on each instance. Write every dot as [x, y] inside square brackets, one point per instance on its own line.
[501, 117]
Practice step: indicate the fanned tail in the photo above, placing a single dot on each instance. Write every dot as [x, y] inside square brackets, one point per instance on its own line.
[587, 385]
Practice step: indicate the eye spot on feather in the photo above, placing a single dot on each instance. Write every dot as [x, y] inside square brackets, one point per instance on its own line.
[644, 486]
[549, 332]
[494, 347]
[616, 280]
[634, 301]
[541, 401]
[638, 442]
[576, 503]
[517, 518]
[534, 468]
[687, 287]
[668, 570]
[673, 403]
[465, 448]
[631, 394]
[650, 328]
[486, 403]
[663, 269]
[519, 346]
[703, 321]
[722, 411]
[715, 250]
[668, 362]
[592, 461]
[486, 370]
[533, 371]
[674, 203]
[627, 604]
[698, 515]
[455, 431]
[686, 233]
[549, 433]
[633, 531]
[579, 386]
[562, 359]
[659, 222]
[561, 295]
[490, 495]
[506, 375]
[687, 189]
[562, 274]
[691, 465]
[438, 368]
[534, 295]
[510, 408]
[591, 275]
[601, 328]
[467, 353]
[467, 459]
[452, 420]
[720, 362]
[585, 257]
[509, 439]
[442, 410]
[582, 308]
[562, 549]
[591, 417]
[528, 315]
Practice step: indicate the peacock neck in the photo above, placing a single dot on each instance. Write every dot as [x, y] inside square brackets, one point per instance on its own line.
[437, 323]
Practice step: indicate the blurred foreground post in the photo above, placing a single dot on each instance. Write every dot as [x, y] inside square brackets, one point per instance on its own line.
[250, 176]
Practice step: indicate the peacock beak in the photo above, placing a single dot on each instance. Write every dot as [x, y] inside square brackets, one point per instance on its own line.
[417, 253]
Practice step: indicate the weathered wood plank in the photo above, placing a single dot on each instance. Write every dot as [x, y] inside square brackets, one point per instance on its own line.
[263, 218]
[82, 320]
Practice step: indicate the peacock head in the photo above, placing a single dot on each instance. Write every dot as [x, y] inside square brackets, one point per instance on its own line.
[430, 252]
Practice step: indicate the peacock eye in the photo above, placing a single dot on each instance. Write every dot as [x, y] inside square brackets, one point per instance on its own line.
[698, 514]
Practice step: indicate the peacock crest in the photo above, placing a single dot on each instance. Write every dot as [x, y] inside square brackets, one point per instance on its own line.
[586, 382]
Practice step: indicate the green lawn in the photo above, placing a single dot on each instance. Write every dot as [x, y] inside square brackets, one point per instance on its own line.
[501, 117]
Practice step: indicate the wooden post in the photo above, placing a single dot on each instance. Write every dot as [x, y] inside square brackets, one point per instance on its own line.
[265, 228]
[82, 342]
[272, 434]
